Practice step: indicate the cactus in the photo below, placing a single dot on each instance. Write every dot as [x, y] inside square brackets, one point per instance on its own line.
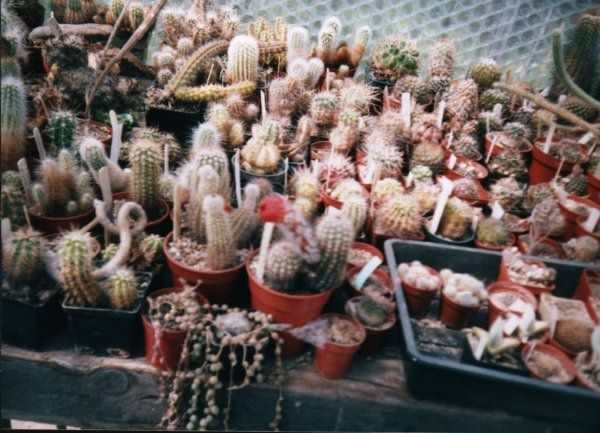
[220, 245]
[109, 252]
[208, 183]
[261, 154]
[508, 163]
[493, 232]
[305, 187]
[145, 173]
[244, 219]
[13, 112]
[23, 257]
[441, 60]
[485, 73]
[205, 137]
[429, 155]
[75, 269]
[371, 313]
[212, 92]
[394, 57]
[10, 67]
[186, 75]
[231, 129]
[358, 97]
[580, 108]
[507, 192]
[88, 8]
[361, 40]
[466, 146]
[462, 101]
[298, 44]
[327, 40]
[242, 59]
[388, 159]
[283, 265]
[355, 208]
[61, 130]
[583, 249]
[536, 194]
[490, 97]
[74, 12]
[456, 219]
[315, 69]
[135, 15]
[13, 199]
[114, 10]
[400, 216]
[185, 46]
[576, 182]
[162, 139]
[386, 189]
[334, 234]
[150, 247]
[518, 130]
[122, 292]
[324, 108]
[58, 8]
[344, 136]
[93, 154]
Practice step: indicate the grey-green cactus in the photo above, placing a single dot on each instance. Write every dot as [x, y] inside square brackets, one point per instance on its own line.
[145, 173]
[220, 245]
[283, 265]
[122, 289]
[23, 256]
[13, 112]
[12, 201]
[61, 130]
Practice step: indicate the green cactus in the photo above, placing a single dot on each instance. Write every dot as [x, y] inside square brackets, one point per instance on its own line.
[491, 231]
[61, 130]
[10, 67]
[485, 73]
[334, 234]
[109, 252]
[400, 216]
[518, 130]
[208, 183]
[12, 199]
[23, 257]
[122, 290]
[93, 154]
[491, 97]
[356, 208]
[284, 262]
[135, 15]
[74, 12]
[579, 108]
[220, 245]
[116, 7]
[150, 247]
[145, 173]
[13, 112]
[394, 57]
[456, 219]
[242, 59]
[75, 269]
[205, 136]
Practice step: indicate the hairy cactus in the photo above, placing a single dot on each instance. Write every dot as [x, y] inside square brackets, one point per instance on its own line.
[508, 163]
[261, 154]
[93, 154]
[429, 155]
[346, 134]
[74, 13]
[61, 130]
[580, 108]
[456, 219]
[324, 107]
[298, 44]
[359, 45]
[213, 92]
[122, 290]
[13, 112]
[208, 183]
[394, 57]
[388, 159]
[220, 244]
[244, 220]
[283, 265]
[462, 101]
[490, 97]
[242, 59]
[582, 248]
[485, 73]
[23, 257]
[327, 40]
[370, 312]
[109, 252]
[135, 15]
[385, 189]
[441, 59]
[230, 128]
[357, 97]
[493, 232]
[206, 136]
[315, 69]
[305, 187]
[576, 182]
[75, 269]
[114, 10]
[145, 160]
[400, 216]
[186, 75]
[356, 209]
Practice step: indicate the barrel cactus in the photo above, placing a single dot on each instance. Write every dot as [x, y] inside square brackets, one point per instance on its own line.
[23, 257]
[400, 216]
[430, 155]
[122, 290]
[493, 232]
[456, 219]
[485, 72]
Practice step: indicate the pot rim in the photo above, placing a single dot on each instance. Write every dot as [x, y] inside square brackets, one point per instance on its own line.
[360, 326]
[389, 324]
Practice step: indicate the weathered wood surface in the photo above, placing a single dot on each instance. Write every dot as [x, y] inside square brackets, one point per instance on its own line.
[61, 387]
[88, 29]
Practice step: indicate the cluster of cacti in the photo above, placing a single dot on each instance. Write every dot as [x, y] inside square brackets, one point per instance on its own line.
[23, 255]
[261, 154]
[230, 128]
[61, 130]
[12, 199]
[336, 54]
[393, 57]
[324, 108]
[491, 231]
[418, 276]
[400, 216]
[508, 163]
[145, 159]
[273, 34]
[507, 192]
[346, 134]
[456, 219]
[463, 289]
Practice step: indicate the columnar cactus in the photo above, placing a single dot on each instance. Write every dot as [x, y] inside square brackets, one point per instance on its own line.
[493, 232]
[75, 269]
[244, 219]
[441, 60]
[135, 15]
[23, 256]
[212, 92]
[122, 290]
[58, 8]
[361, 40]
[298, 44]
[230, 128]
[92, 152]
[315, 69]
[114, 10]
[456, 219]
[206, 150]
[356, 208]
[208, 183]
[74, 12]
[394, 57]
[305, 188]
[220, 245]
[145, 173]
[185, 46]
[13, 112]
[61, 130]
[400, 216]
[462, 101]
[327, 40]
[283, 265]
[346, 134]
[12, 202]
[242, 59]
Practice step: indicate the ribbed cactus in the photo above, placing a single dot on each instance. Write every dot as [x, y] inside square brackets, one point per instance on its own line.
[122, 289]
[429, 155]
[305, 188]
[283, 265]
[441, 59]
[212, 92]
[13, 112]
[185, 46]
[75, 269]
[242, 59]
[298, 44]
[261, 154]
[220, 245]
[385, 189]
[356, 209]
[358, 97]
[92, 153]
[23, 257]
[12, 199]
[61, 130]
[135, 15]
[490, 97]
[150, 247]
[208, 183]
[456, 219]
[10, 67]
[387, 159]
[328, 39]
[74, 12]
[145, 173]
[491, 231]
[244, 220]
[324, 107]
[114, 10]
[394, 57]
[485, 73]
[109, 252]
[334, 234]
[400, 216]
[230, 128]
[205, 136]
[88, 7]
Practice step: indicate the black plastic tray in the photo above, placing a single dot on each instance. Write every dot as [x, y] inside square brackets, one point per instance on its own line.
[444, 378]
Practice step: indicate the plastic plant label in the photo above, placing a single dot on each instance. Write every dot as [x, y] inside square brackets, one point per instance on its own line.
[5, 229]
[497, 110]
[39, 143]
[264, 250]
[117, 133]
[25, 179]
[497, 211]
[519, 306]
[496, 331]
[166, 159]
[559, 169]
[406, 109]
[527, 320]
[562, 98]
[481, 345]
[263, 106]
[286, 164]
[450, 139]
[440, 114]
[177, 211]
[591, 221]
[585, 139]
[511, 324]
[409, 180]
[447, 187]
[549, 138]
[238, 183]
[452, 161]
[361, 277]
[489, 155]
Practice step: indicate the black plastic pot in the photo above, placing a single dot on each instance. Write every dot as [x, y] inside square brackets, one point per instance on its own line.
[105, 331]
[178, 122]
[277, 179]
[29, 325]
[465, 242]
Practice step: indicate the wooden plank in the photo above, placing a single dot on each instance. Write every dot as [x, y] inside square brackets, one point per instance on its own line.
[61, 387]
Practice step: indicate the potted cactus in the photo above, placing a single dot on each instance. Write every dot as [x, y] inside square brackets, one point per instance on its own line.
[61, 130]
[545, 164]
[532, 274]
[455, 225]
[376, 317]
[547, 363]
[13, 202]
[588, 364]
[462, 295]
[30, 299]
[420, 285]
[399, 217]
[392, 58]
[471, 191]
[492, 234]
[507, 298]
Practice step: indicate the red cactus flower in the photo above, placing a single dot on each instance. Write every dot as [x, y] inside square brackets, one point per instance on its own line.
[273, 208]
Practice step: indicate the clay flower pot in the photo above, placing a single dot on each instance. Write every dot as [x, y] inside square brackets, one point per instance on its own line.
[319, 150]
[368, 249]
[484, 246]
[499, 148]
[452, 174]
[219, 287]
[482, 198]
[572, 217]
[454, 315]
[418, 300]
[543, 166]
[593, 187]
[581, 231]
[547, 349]
[375, 336]
[498, 309]
[54, 225]
[503, 276]
[382, 277]
[523, 245]
[170, 343]
[334, 359]
[294, 309]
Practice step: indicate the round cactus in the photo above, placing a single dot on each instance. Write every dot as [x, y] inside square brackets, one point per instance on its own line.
[370, 313]
[456, 219]
[122, 291]
[490, 97]
[400, 216]
[75, 269]
[205, 136]
[23, 257]
[493, 232]
[386, 189]
[185, 46]
[208, 183]
[324, 108]
[394, 57]
[150, 247]
[13, 113]
[242, 59]
[430, 155]
[261, 154]
[389, 160]
[485, 72]
[283, 264]
[135, 15]
[220, 245]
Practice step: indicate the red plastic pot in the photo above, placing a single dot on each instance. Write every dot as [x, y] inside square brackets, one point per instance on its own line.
[553, 352]
[498, 148]
[160, 226]
[543, 166]
[593, 187]
[503, 276]
[582, 380]
[53, 225]
[523, 245]
[483, 196]
[170, 343]
[496, 309]
[295, 309]
[484, 246]
[418, 300]
[572, 217]
[482, 172]
[363, 246]
[219, 287]
[333, 359]
[454, 315]
[581, 231]
[320, 149]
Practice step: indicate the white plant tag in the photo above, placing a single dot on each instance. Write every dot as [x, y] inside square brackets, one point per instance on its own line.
[497, 211]
[559, 169]
[25, 179]
[497, 110]
[545, 92]
[512, 322]
[166, 159]
[450, 140]
[263, 106]
[585, 139]
[591, 221]
[39, 143]
[6, 230]
[177, 192]
[117, 136]
[361, 277]
[452, 161]
[237, 176]
[447, 187]
[562, 98]
[527, 320]
[495, 333]
[481, 345]
[440, 114]
[286, 165]
[406, 109]
[409, 180]
[549, 138]
[519, 306]
[489, 155]
[264, 250]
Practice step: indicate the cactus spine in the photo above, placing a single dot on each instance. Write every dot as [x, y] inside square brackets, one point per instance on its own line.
[283, 265]
[61, 130]
[145, 173]
[13, 113]
[23, 257]
[122, 291]
[208, 183]
[75, 269]
[400, 216]
[242, 59]
[221, 249]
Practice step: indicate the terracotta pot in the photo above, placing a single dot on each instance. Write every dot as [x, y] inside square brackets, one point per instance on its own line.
[295, 309]
[503, 276]
[572, 217]
[496, 309]
[467, 241]
[320, 149]
[375, 336]
[171, 342]
[159, 226]
[543, 166]
[334, 359]
[551, 351]
[219, 287]
[484, 246]
[418, 300]
[523, 245]
[552, 342]
[360, 155]
[363, 246]
[482, 198]
[581, 231]
[482, 172]
[454, 315]
[53, 225]
[593, 187]
[499, 148]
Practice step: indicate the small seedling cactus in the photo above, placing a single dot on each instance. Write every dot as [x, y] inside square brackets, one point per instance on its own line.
[508, 192]
[464, 289]
[122, 290]
[12, 201]
[429, 155]
[485, 72]
[369, 312]
[419, 277]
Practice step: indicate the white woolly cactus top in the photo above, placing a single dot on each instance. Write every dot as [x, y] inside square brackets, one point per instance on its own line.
[418, 276]
[205, 136]
[464, 289]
